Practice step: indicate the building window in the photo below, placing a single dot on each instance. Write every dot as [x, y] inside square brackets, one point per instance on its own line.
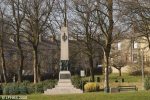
[119, 45]
[134, 57]
[135, 44]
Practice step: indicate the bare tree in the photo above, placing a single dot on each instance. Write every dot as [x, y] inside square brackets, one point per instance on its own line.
[83, 28]
[38, 12]
[104, 19]
[2, 33]
[118, 63]
[137, 14]
[58, 19]
[18, 12]
[106, 16]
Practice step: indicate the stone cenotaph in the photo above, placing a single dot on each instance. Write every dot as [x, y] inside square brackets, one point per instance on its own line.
[64, 85]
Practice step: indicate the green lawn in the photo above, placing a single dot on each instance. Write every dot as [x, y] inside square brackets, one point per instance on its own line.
[129, 80]
[142, 95]
[113, 77]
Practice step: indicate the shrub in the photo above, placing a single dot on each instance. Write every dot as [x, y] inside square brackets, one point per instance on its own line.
[77, 81]
[50, 81]
[25, 84]
[39, 87]
[147, 83]
[4, 87]
[31, 88]
[10, 85]
[49, 84]
[92, 86]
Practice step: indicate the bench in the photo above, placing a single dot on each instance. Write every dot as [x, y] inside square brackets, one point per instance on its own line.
[127, 88]
[18, 90]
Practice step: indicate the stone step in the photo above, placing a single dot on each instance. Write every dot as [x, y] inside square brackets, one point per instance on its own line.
[63, 91]
[64, 84]
[55, 93]
[70, 86]
[59, 88]
[64, 81]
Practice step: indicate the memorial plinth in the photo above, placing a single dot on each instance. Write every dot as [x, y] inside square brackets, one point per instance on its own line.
[64, 85]
[64, 75]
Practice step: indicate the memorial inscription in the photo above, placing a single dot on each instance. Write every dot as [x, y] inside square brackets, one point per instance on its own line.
[64, 76]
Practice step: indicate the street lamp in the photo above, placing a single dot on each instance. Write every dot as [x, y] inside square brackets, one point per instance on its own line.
[142, 69]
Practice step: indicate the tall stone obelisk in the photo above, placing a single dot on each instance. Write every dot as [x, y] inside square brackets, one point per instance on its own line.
[64, 85]
[64, 63]
[64, 57]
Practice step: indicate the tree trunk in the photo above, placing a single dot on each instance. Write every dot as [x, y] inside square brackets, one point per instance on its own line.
[38, 73]
[106, 69]
[91, 69]
[103, 69]
[20, 59]
[3, 63]
[2, 51]
[18, 19]
[108, 42]
[120, 72]
[20, 67]
[35, 63]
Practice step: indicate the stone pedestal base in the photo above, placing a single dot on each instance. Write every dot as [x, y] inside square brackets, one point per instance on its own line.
[113, 90]
[64, 85]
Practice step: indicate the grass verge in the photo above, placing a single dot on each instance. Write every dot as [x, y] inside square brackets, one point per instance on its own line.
[142, 95]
